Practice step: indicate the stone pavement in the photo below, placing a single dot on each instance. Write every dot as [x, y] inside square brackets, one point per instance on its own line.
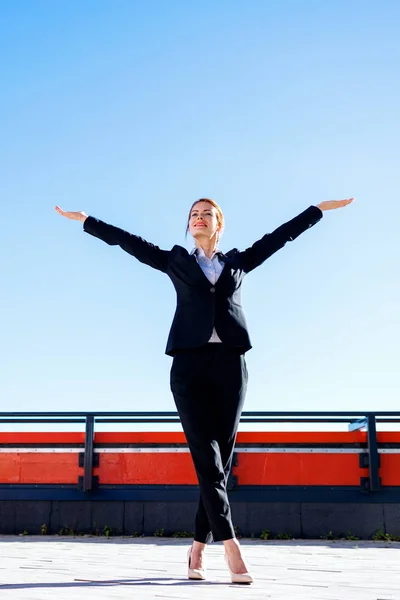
[45, 567]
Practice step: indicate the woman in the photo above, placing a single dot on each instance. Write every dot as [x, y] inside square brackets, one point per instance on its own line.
[208, 340]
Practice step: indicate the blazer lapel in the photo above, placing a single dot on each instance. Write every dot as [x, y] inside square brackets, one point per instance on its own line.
[199, 272]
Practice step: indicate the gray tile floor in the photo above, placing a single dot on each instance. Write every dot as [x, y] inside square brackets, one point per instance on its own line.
[53, 567]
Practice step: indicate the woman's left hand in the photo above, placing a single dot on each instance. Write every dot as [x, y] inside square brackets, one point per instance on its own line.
[331, 204]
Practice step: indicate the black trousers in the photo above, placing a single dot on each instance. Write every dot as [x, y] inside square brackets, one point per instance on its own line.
[209, 387]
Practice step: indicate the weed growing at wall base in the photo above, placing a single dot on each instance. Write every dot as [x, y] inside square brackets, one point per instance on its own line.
[380, 536]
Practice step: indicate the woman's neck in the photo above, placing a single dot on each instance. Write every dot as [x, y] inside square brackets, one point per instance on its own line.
[208, 248]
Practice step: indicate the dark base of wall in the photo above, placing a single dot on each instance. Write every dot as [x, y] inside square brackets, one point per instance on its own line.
[299, 519]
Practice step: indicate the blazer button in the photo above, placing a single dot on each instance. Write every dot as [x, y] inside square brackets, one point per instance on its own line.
[212, 290]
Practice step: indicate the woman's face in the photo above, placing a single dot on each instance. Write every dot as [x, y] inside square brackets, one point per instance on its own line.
[203, 221]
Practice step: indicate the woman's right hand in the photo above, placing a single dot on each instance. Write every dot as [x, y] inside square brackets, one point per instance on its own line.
[76, 216]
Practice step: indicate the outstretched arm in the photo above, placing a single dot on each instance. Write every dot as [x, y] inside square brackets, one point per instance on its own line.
[147, 253]
[271, 242]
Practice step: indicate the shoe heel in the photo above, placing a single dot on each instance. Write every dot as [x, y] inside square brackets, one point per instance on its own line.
[199, 574]
[239, 577]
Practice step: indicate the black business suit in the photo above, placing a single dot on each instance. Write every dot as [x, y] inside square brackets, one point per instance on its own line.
[208, 381]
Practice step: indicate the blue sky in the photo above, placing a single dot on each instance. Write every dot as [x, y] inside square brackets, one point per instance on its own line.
[132, 110]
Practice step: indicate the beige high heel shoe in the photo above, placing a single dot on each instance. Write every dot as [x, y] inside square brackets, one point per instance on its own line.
[194, 573]
[239, 577]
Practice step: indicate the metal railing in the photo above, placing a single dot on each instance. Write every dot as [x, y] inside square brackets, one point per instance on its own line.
[356, 420]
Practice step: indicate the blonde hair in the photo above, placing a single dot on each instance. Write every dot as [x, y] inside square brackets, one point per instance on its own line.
[220, 215]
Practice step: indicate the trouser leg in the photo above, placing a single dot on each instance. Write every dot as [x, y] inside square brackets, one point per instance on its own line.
[209, 389]
[202, 528]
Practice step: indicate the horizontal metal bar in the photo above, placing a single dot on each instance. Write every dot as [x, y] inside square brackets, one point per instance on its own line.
[148, 417]
[122, 414]
[46, 450]
[177, 420]
[242, 420]
[297, 420]
[181, 493]
[164, 450]
[165, 420]
[15, 420]
[174, 450]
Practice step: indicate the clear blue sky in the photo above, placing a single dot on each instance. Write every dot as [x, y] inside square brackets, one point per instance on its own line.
[132, 110]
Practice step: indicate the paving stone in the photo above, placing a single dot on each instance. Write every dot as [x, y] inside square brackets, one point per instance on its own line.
[45, 567]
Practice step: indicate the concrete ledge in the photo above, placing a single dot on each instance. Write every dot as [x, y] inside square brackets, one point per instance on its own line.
[391, 514]
[170, 516]
[361, 520]
[252, 518]
[300, 520]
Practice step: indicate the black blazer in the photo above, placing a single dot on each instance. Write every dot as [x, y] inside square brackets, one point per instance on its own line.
[200, 305]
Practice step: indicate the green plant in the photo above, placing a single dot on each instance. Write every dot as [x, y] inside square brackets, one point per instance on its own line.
[107, 531]
[236, 530]
[284, 536]
[66, 531]
[159, 533]
[329, 536]
[95, 530]
[43, 529]
[350, 536]
[265, 534]
[182, 534]
[380, 536]
[24, 532]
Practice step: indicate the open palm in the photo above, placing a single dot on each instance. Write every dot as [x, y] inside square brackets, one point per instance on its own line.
[76, 216]
[331, 204]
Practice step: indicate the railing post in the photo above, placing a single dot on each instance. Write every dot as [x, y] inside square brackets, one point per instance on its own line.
[371, 459]
[232, 481]
[88, 456]
[373, 456]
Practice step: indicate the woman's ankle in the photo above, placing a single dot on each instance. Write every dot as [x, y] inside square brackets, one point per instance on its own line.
[198, 547]
[231, 546]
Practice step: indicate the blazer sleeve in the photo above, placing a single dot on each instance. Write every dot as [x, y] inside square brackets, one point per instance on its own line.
[271, 242]
[147, 253]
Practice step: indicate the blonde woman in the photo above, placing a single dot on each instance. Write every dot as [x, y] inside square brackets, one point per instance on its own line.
[208, 340]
